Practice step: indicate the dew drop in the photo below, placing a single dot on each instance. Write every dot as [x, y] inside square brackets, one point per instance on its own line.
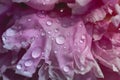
[43, 34]
[55, 52]
[29, 19]
[82, 39]
[82, 68]
[10, 32]
[36, 53]
[24, 44]
[49, 32]
[41, 14]
[66, 69]
[60, 40]
[61, 10]
[29, 63]
[56, 30]
[80, 25]
[49, 23]
[19, 66]
[83, 36]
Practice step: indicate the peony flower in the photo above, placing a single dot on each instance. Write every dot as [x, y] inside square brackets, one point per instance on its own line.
[59, 39]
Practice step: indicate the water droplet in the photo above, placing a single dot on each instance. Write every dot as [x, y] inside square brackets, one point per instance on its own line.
[82, 68]
[83, 36]
[119, 29]
[61, 10]
[29, 19]
[80, 25]
[56, 30]
[24, 44]
[29, 63]
[60, 40]
[43, 34]
[64, 47]
[49, 32]
[66, 69]
[19, 66]
[36, 53]
[82, 39]
[10, 32]
[41, 14]
[55, 52]
[49, 23]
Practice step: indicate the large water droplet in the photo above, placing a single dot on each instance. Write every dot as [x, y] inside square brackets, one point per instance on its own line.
[19, 66]
[10, 32]
[29, 63]
[36, 53]
[66, 68]
[60, 40]
[49, 23]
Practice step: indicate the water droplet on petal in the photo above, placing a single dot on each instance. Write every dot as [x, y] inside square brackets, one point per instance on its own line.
[29, 63]
[43, 34]
[56, 30]
[66, 69]
[55, 52]
[29, 19]
[61, 10]
[60, 40]
[82, 68]
[82, 39]
[83, 36]
[49, 32]
[49, 23]
[19, 66]
[10, 32]
[36, 53]
[64, 47]
[41, 14]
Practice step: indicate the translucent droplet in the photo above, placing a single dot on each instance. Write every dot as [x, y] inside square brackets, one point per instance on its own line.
[41, 14]
[82, 68]
[29, 63]
[29, 19]
[43, 34]
[49, 23]
[64, 47]
[82, 39]
[49, 32]
[10, 32]
[24, 44]
[80, 25]
[19, 66]
[60, 40]
[61, 10]
[55, 51]
[45, 2]
[66, 69]
[56, 30]
[83, 36]
[36, 53]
